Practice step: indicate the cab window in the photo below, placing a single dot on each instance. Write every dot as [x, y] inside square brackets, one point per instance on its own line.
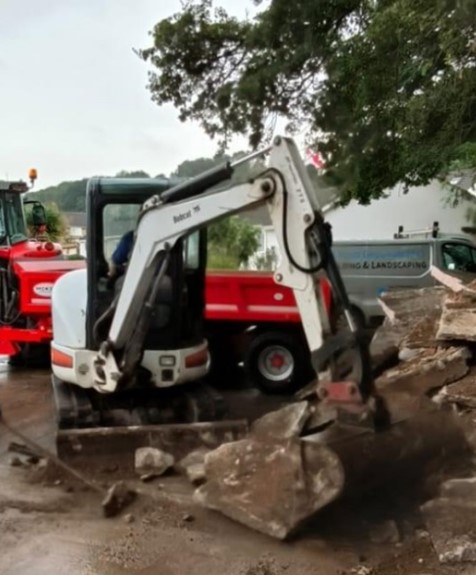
[191, 251]
[459, 257]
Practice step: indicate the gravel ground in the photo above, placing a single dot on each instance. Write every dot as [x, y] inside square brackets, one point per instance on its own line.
[58, 528]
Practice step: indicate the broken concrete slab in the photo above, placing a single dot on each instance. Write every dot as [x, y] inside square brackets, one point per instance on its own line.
[193, 465]
[196, 473]
[152, 460]
[195, 457]
[462, 392]
[407, 354]
[275, 486]
[430, 370]
[270, 486]
[411, 317]
[455, 284]
[423, 333]
[452, 527]
[462, 488]
[117, 497]
[451, 520]
[408, 306]
[457, 323]
[283, 423]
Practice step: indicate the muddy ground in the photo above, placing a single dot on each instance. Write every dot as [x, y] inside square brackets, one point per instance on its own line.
[59, 528]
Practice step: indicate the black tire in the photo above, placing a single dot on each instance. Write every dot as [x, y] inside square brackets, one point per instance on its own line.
[224, 369]
[288, 347]
[31, 356]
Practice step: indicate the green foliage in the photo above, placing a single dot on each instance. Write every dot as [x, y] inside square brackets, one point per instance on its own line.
[75, 257]
[386, 90]
[55, 222]
[231, 242]
[133, 174]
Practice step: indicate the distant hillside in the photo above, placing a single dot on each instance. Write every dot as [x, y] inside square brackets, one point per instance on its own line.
[68, 196]
[71, 196]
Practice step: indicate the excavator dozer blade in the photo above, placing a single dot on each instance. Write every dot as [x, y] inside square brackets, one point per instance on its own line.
[113, 448]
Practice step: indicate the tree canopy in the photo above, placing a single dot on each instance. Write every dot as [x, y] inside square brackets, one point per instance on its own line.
[384, 89]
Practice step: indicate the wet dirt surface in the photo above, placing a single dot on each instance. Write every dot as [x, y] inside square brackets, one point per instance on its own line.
[59, 528]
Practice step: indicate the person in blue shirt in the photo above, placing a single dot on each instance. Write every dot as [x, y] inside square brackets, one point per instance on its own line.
[121, 254]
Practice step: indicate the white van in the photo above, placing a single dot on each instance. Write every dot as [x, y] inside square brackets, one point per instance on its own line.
[370, 268]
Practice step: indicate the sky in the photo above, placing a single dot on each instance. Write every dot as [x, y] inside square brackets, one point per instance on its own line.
[73, 95]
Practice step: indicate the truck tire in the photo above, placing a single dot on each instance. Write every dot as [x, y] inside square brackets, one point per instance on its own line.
[278, 362]
[32, 356]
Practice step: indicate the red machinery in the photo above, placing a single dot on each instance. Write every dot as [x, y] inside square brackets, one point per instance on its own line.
[28, 269]
[249, 317]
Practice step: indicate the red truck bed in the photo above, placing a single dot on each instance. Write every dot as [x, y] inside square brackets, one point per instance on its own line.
[252, 297]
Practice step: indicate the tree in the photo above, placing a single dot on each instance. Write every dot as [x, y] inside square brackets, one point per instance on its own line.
[231, 242]
[55, 222]
[132, 174]
[385, 88]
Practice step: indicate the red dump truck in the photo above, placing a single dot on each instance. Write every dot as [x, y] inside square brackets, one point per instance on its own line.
[254, 321]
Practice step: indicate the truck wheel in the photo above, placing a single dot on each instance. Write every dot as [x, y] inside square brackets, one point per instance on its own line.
[31, 355]
[278, 362]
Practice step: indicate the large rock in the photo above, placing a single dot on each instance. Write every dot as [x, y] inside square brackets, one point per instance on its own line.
[271, 486]
[423, 333]
[408, 306]
[451, 521]
[428, 371]
[195, 457]
[411, 319]
[458, 323]
[152, 460]
[462, 393]
[283, 423]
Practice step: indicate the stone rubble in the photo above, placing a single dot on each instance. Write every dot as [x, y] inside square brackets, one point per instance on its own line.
[150, 460]
[436, 331]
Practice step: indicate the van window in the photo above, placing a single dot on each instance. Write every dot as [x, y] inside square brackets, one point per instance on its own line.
[459, 257]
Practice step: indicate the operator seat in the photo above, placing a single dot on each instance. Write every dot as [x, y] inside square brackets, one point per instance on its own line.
[164, 301]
